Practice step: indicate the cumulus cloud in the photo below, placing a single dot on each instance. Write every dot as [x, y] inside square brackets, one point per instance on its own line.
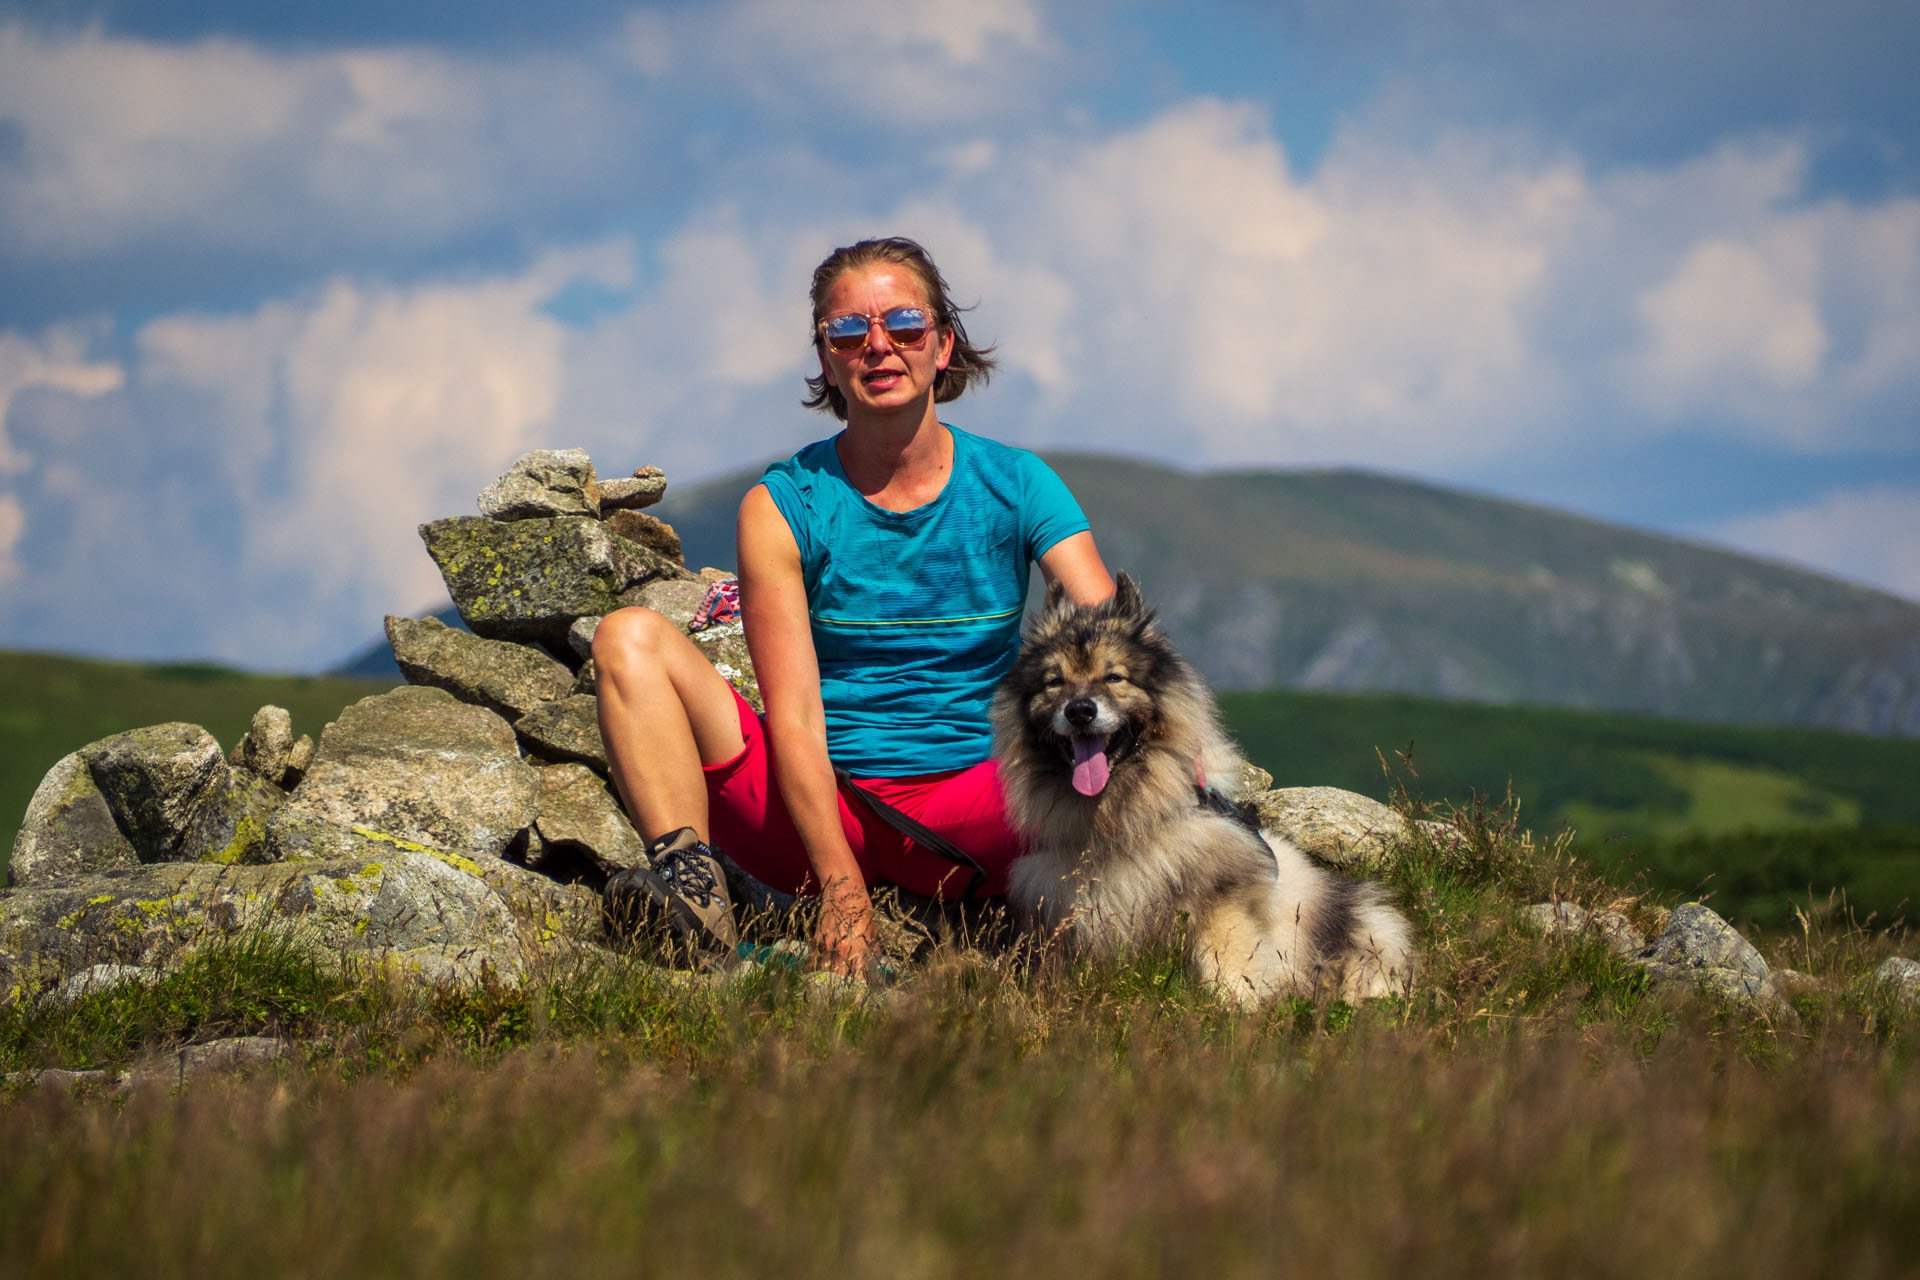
[1789, 320]
[269, 466]
[1866, 534]
[1265, 315]
[1179, 287]
[119, 143]
[925, 62]
[56, 361]
[1182, 286]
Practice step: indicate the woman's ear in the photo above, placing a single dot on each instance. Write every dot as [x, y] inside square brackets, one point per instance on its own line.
[944, 356]
[826, 366]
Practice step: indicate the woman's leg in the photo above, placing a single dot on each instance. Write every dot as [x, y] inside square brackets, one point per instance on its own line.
[664, 713]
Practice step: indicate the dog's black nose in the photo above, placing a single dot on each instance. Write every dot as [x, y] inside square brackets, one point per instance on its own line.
[1080, 712]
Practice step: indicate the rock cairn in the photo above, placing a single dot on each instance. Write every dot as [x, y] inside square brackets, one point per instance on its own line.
[459, 825]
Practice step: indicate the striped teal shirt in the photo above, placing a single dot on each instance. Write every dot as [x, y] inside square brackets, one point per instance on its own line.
[916, 614]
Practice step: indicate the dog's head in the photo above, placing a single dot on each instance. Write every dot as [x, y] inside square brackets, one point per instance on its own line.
[1085, 693]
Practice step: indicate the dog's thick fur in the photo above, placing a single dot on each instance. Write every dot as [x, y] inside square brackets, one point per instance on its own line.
[1099, 731]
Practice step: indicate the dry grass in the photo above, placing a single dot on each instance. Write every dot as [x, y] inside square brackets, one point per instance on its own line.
[1533, 1109]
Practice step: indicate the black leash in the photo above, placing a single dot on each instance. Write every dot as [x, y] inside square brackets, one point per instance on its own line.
[926, 837]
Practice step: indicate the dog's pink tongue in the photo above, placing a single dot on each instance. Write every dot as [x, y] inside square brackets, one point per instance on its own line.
[1089, 764]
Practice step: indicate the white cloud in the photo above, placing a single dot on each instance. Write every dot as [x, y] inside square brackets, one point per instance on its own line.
[218, 144]
[1794, 322]
[1178, 288]
[1729, 318]
[57, 361]
[1870, 535]
[13, 523]
[921, 62]
[269, 467]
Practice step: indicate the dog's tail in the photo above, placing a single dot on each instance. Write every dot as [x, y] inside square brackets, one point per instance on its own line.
[1364, 945]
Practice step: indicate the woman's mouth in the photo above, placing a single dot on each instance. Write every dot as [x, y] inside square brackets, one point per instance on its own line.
[882, 379]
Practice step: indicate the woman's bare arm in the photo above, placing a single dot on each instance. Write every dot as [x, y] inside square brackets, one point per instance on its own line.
[773, 598]
[1075, 563]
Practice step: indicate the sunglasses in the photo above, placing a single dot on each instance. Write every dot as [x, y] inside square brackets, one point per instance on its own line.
[905, 327]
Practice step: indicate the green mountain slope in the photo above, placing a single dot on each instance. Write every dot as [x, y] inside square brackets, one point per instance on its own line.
[1758, 816]
[1350, 580]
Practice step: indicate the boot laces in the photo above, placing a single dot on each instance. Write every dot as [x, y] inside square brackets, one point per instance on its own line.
[689, 873]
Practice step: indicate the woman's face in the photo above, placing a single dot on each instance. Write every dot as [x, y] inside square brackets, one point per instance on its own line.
[880, 377]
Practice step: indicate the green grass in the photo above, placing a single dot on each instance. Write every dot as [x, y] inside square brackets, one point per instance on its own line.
[52, 705]
[1534, 1107]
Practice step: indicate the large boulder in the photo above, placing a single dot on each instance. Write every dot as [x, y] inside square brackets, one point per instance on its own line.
[528, 580]
[419, 764]
[675, 599]
[545, 482]
[409, 901]
[505, 678]
[1698, 947]
[163, 784]
[175, 798]
[1342, 828]
[1562, 919]
[164, 793]
[1901, 976]
[68, 829]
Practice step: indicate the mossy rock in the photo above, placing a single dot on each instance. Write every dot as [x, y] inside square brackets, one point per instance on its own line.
[528, 580]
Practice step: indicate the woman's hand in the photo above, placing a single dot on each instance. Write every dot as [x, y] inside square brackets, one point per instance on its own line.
[844, 937]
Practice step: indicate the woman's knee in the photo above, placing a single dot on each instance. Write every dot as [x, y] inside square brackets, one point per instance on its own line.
[632, 639]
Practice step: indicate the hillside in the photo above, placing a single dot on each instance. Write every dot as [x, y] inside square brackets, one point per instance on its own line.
[1345, 580]
[1760, 817]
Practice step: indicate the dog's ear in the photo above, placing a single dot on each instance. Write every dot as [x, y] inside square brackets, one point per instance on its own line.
[1126, 596]
[1056, 592]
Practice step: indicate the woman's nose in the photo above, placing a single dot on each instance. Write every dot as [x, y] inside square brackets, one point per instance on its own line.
[877, 340]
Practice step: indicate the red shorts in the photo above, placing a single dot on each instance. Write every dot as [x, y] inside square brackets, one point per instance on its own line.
[748, 819]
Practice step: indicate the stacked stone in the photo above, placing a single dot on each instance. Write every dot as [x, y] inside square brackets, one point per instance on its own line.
[554, 550]
[461, 824]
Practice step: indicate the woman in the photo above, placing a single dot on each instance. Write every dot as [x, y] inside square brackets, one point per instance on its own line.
[882, 575]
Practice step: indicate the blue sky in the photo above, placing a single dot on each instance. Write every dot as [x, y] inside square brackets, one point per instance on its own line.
[280, 282]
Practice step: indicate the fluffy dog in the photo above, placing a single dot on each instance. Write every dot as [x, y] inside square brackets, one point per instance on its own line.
[1105, 738]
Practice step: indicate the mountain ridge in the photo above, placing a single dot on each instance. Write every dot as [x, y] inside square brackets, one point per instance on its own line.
[1348, 579]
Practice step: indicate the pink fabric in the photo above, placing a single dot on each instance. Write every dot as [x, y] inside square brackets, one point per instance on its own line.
[749, 821]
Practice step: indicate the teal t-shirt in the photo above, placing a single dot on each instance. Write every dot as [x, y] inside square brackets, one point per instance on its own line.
[916, 614]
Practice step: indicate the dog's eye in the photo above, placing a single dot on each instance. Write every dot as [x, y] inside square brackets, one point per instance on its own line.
[1054, 682]
[1114, 677]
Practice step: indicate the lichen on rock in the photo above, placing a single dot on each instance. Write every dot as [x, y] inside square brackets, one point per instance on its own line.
[419, 764]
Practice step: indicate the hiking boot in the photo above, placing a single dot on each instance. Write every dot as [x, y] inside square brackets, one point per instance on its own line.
[684, 892]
